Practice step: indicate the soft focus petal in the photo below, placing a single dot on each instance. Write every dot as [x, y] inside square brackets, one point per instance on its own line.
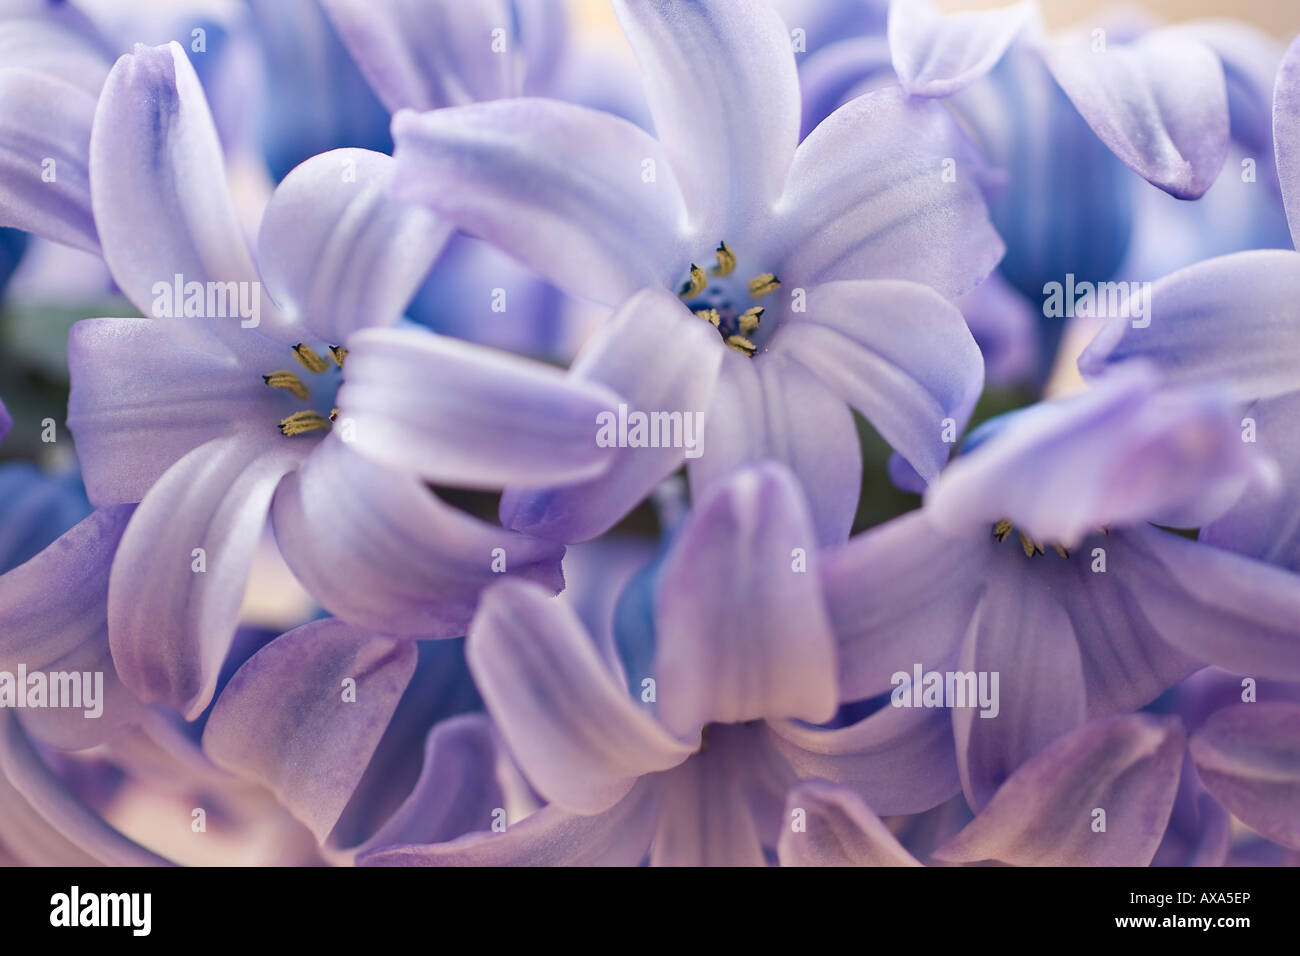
[1249, 759]
[938, 55]
[741, 628]
[881, 592]
[170, 625]
[145, 394]
[426, 54]
[1219, 607]
[720, 77]
[54, 64]
[584, 198]
[461, 414]
[1233, 321]
[71, 819]
[1286, 135]
[1021, 633]
[839, 830]
[899, 759]
[158, 184]
[304, 714]
[704, 819]
[1046, 813]
[867, 198]
[44, 121]
[1265, 522]
[378, 549]
[53, 617]
[457, 789]
[1160, 104]
[1121, 453]
[579, 737]
[840, 71]
[774, 409]
[550, 837]
[900, 354]
[658, 358]
[337, 252]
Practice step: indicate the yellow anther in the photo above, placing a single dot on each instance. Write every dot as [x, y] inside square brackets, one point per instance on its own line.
[760, 286]
[742, 344]
[726, 261]
[288, 381]
[748, 320]
[334, 414]
[301, 422]
[307, 356]
[710, 316]
[338, 353]
[697, 284]
[1002, 529]
[1063, 552]
[1029, 545]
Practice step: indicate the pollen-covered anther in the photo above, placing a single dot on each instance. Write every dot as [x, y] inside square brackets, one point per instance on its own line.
[299, 423]
[711, 316]
[289, 382]
[1062, 551]
[309, 358]
[742, 344]
[334, 414]
[760, 286]
[338, 353]
[726, 261]
[1029, 545]
[748, 320]
[697, 283]
[1002, 529]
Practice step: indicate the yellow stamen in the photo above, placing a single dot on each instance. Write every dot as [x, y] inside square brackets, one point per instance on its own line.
[726, 261]
[697, 284]
[1063, 552]
[710, 316]
[1002, 529]
[334, 414]
[301, 422]
[308, 358]
[288, 381]
[1029, 545]
[338, 353]
[748, 320]
[760, 286]
[742, 344]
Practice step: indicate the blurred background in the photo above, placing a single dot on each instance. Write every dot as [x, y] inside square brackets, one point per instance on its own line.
[1281, 17]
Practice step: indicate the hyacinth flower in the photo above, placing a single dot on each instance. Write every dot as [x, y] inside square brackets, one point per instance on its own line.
[1061, 117]
[1046, 813]
[1046, 543]
[211, 423]
[685, 754]
[741, 270]
[430, 54]
[1233, 322]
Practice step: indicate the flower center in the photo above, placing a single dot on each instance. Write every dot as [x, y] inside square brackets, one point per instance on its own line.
[1027, 544]
[319, 394]
[727, 302]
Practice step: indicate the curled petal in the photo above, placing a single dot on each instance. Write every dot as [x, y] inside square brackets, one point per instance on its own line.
[304, 714]
[1046, 814]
